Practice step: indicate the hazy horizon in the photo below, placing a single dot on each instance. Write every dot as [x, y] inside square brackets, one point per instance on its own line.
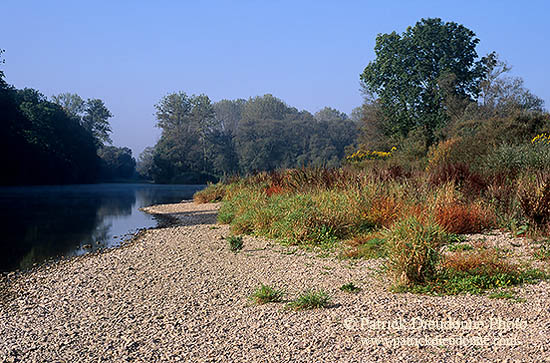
[310, 55]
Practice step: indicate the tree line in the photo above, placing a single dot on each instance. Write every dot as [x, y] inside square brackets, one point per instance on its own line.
[59, 141]
[425, 85]
[203, 140]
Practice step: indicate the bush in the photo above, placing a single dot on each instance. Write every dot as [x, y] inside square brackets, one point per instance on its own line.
[413, 250]
[534, 198]
[211, 194]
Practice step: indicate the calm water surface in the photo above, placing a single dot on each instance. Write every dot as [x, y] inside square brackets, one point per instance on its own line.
[43, 222]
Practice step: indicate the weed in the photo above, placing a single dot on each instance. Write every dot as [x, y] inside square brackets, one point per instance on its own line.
[310, 299]
[235, 243]
[350, 287]
[413, 250]
[211, 194]
[543, 250]
[266, 294]
[460, 247]
[505, 294]
[365, 247]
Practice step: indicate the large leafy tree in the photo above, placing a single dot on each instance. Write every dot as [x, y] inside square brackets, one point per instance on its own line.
[96, 121]
[406, 76]
[184, 148]
[72, 103]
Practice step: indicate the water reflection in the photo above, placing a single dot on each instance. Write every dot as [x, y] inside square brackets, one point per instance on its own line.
[39, 223]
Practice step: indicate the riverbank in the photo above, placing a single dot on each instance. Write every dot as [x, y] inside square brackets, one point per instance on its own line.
[179, 294]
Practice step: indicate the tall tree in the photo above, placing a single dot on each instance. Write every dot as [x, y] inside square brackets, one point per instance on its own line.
[406, 74]
[72, 103]
[96, 121]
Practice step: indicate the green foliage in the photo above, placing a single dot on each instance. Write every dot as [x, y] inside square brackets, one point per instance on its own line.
[206, 142]
[266, 294]
[235, 243]
[96, 121]
[409, 68]
[310, 299]
[451, 282]
[116, 163]
[350, 287]
[42, 144]
[460, 247]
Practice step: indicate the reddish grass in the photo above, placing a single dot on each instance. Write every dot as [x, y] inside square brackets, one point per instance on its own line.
[384, 211]
[478, 260]
[464, 218]
[460, 174]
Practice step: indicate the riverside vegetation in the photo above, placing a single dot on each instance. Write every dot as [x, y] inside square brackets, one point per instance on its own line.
[414, 220]
[450, 146]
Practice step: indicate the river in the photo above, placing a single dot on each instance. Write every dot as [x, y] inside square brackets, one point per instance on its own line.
[40, 223]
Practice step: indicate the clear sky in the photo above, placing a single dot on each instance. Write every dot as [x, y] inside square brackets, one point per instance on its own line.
[308, 53]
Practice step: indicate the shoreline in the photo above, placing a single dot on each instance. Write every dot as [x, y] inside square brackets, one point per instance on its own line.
[177, 292]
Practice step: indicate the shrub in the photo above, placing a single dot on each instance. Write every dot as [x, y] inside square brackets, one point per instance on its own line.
[211, 194]
[266, 294]
[442, 153]
[235, 243]
[534, 198]
[413, 250]
[310, 299]
[463, 218]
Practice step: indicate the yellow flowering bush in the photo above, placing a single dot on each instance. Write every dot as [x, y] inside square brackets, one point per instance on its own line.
[541, 139]
[361, 155]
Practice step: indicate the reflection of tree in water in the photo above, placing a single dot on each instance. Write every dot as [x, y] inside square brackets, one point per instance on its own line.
[39, 223]
[165, 194]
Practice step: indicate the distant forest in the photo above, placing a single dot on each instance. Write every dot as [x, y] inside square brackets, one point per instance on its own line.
[204, 141]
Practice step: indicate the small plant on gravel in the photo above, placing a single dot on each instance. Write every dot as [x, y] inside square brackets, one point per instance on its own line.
[371, 246]
[266, 294]
[543, 250]
[350, 287]
[310, 299]
[504, 294]
[235, 243]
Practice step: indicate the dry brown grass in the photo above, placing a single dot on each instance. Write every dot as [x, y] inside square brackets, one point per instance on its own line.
[478, 260]
[464, 218]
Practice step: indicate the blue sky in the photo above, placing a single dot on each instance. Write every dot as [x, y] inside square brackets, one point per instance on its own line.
[308, 53]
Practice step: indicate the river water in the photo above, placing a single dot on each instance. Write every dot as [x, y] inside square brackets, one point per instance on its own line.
[40, 223]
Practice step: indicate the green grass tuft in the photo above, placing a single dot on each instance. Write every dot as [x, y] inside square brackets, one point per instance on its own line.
[266, 294]
[310, 299]
[350, 287]
[235, 243]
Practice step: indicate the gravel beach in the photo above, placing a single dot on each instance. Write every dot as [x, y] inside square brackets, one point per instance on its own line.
[179, 294]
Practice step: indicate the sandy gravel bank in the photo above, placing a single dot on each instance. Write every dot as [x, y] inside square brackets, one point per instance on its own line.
[179, 294]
